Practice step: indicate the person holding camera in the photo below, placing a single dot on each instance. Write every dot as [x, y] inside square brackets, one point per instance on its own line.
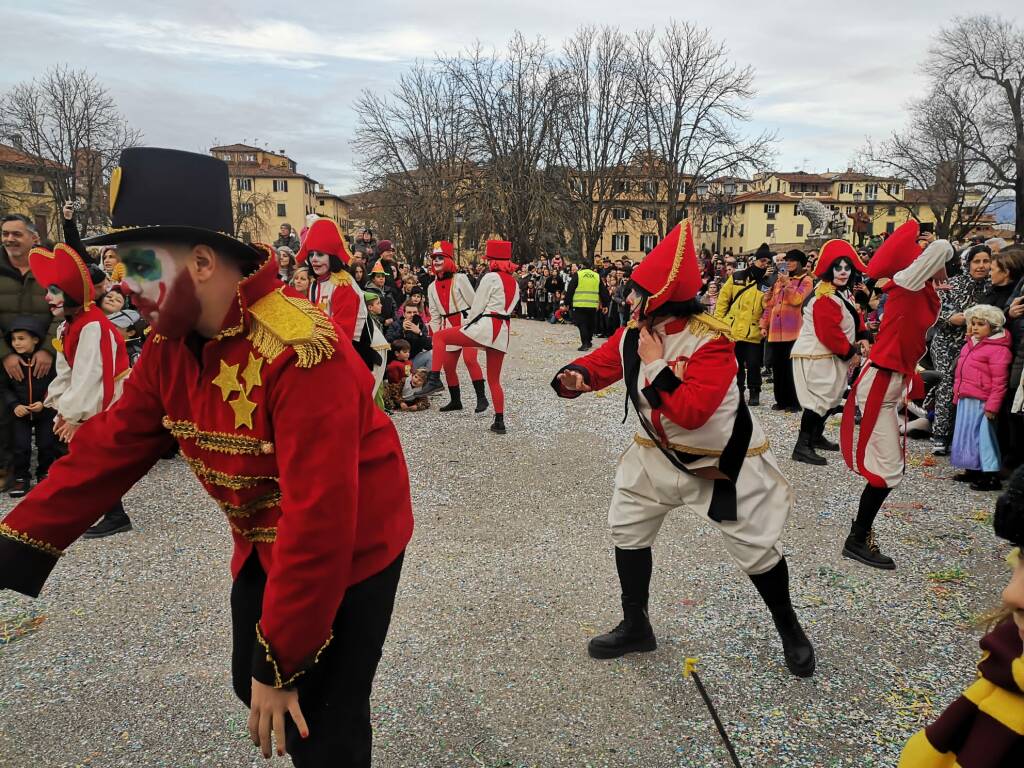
[781, 322]
[412, 328]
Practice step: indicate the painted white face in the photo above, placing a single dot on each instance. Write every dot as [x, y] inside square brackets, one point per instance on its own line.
[842, 271]
[320, 263]
[55, 298]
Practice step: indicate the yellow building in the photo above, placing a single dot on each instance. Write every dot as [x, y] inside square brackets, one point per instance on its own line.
[24, 190]
[267, 191]
[331, 206]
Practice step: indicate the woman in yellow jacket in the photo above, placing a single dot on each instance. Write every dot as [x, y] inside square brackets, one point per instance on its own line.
[741, 305]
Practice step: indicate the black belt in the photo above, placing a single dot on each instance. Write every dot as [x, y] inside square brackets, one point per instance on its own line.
[463, 312]
[488, 314]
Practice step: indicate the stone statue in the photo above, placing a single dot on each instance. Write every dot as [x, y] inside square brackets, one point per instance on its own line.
[826, 224]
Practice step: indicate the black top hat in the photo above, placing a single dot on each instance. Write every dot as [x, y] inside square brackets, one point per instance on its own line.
[170, 195]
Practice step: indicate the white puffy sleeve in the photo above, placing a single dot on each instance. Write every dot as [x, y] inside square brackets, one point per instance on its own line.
[914, 277]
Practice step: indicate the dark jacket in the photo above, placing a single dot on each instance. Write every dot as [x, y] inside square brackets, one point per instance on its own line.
[417, 341]
[22, 295]
[27, 391]
[292, 241]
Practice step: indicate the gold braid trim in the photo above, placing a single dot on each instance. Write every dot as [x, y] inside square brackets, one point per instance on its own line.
[280, 321]
[677, 262]
[824, 289]
[648, 443]
[24, 538]
[224, 480]
[259, 504]
[278, 682]
[221, 442]
[341, 278]
[265, 535]
[707, 325]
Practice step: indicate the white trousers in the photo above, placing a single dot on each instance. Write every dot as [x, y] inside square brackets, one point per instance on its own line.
[648, 487]
[884, 461]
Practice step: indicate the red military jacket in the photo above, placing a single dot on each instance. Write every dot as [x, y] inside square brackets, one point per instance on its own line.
[275, 419]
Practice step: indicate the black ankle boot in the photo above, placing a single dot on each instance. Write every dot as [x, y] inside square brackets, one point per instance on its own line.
[987, 481]
[773, 586]
[455, 404]
[819, 441]
[861, 546]
[431, 385]
[804, 451]
[755, 397]
[634, 633]
[498, 427]
[115, 521]
[481, 396]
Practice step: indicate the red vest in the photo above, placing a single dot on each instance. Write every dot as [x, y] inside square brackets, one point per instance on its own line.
[901, 339]
[114, 355]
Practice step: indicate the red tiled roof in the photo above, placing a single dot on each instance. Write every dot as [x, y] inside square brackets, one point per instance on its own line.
[12, 156]
[266, 172]
[765, 197]
[802, 177]
[854, 176]
[238, 148]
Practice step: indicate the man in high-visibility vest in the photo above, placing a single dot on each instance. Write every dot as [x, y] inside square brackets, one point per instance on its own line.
[586, 294]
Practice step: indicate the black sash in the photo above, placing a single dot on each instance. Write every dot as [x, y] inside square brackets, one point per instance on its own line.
[497, 315]
[723, 495]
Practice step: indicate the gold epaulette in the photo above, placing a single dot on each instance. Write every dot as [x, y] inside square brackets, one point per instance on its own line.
[341, 278]
[824, 289]
[708, 325]
[58, 345]
[280, 321]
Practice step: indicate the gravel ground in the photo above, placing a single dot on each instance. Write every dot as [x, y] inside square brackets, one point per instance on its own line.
[124, 659]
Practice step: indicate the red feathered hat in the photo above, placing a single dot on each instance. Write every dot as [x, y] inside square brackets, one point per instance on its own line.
[897, 252]
[65, 269]
[498, 250]
[444, 248]
[324, 235]
[834, 250]
[670, 272]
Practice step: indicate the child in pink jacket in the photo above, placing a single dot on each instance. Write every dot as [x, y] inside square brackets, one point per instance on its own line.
[978, 390]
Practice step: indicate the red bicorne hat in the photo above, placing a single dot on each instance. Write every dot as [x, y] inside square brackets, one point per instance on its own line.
[834, 250]
[670, 272]
[897, 252]
[324, 236]
[64, 268]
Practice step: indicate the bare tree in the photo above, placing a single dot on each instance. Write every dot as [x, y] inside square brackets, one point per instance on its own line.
[987, 53]
[598, 120]
[935, 159]
[692, 104]
[69, 123]
[513, 102]
[417, 149]
[252, 210]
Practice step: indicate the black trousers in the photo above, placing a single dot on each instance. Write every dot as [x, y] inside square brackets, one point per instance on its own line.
[335, 694]
[46, 443]
[782, 373]
[749, 359]
[586, 321]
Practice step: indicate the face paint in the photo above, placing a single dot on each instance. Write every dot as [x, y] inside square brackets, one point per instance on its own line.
[841, 273]
[319, 262]
[162, 288]
[55, 298]
[438, 267]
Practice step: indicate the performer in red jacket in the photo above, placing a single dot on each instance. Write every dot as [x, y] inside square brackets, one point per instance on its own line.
[832, 334]
[92, 360]
[228, 372]
[874, 449]
[700, 449]
[449, 298]
[486, 326]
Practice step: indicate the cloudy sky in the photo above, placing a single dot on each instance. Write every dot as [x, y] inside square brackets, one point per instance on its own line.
[193, 73]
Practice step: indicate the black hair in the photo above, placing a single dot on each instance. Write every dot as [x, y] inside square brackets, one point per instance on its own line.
[23, 219]
[830, 273]
[400, 345]
[976, 250]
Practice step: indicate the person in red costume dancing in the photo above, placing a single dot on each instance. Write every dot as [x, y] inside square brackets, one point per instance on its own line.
[486, 327]
[701, 449]
[227, 373]
[336, 292]
[874, 449]
[92, 360]
[449, 298]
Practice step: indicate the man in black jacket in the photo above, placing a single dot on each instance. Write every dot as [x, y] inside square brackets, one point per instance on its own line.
[413, 330]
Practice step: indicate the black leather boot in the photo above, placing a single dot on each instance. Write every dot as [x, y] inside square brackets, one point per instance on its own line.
[860, 545]
[455, 404]
[773, 586]
[634, 633]
[115, 521]
[431, 385]
[804, 451]
[498, 427]
[481, 396]
[755, 397]
[819, 441]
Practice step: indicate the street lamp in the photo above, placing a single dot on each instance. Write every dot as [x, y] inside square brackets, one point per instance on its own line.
[458, 238]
